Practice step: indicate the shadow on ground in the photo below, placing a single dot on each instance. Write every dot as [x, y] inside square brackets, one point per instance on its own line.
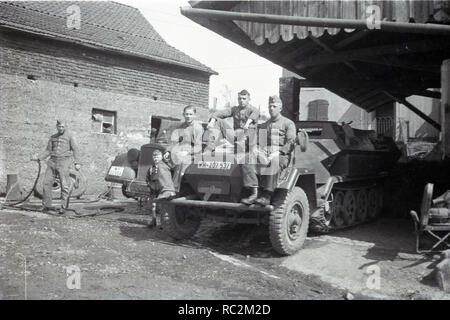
[246, 240]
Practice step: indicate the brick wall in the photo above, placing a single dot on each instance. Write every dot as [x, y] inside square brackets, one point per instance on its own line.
[28, 108]
[69, 63]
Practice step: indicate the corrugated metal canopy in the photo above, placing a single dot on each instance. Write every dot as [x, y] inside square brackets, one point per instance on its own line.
[370, 68]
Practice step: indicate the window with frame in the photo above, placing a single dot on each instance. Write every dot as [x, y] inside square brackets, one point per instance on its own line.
[104, 121]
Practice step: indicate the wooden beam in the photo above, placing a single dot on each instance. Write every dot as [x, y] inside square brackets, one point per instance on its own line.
[332, 51]
[445, 107]
[390, 26]
[350, 55]
[358, 35]
[277, 47]
[422, 93]
[429, 94]
[398, 85]
[380, 103]
[402, 63]
[414, 109]
[305, 48]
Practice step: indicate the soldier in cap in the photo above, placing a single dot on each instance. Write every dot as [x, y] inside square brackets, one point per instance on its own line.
[62, 150]
[276, 149]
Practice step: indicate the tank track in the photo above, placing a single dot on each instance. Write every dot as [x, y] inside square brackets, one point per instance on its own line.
[349, 206]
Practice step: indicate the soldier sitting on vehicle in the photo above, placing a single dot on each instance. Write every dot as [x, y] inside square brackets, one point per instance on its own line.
[273, 154]
[186, 142]
[244, 115]
[245, 118]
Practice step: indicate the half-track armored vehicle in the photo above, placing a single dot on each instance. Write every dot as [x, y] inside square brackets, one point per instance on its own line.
[334, 180]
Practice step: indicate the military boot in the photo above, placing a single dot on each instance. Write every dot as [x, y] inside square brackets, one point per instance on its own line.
[252, 197]
[166, 195]
[265, 198]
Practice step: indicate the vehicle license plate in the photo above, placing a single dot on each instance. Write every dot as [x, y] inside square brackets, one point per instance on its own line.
[214, 187]
[116, 171]
[214, 165]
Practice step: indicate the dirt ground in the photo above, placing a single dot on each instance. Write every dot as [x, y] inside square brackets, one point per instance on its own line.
[120, 257]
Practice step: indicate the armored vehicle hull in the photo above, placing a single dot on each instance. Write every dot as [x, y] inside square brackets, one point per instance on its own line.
[334, 180]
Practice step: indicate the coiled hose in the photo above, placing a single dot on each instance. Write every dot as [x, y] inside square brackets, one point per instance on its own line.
[14, 205]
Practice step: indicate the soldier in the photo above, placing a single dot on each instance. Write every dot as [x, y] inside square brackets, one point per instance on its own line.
[281, 134]
[186, 142]
[61, 148]
[245, 117]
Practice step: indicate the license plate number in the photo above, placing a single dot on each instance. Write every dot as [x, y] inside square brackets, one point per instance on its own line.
[214, 165]
[116, 171]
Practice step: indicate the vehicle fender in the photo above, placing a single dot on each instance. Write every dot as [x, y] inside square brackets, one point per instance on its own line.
[121, 170]
[287, 178]
[303, 178]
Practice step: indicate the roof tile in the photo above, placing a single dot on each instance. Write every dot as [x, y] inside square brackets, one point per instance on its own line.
[103, 23]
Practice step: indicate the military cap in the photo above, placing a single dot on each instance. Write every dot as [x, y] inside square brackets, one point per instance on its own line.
[244, 93]
[275, 100]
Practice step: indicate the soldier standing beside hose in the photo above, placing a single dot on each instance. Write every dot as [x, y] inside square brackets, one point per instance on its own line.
[61, 148]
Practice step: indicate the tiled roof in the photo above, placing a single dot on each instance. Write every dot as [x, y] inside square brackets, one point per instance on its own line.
[104, 24]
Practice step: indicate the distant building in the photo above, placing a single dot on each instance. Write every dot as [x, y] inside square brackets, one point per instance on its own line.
[393, 120]
[318, 110]
[102, 67]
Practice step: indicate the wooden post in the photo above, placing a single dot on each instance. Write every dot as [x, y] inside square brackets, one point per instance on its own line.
[290, 95]
[445, 107]
[12, 187]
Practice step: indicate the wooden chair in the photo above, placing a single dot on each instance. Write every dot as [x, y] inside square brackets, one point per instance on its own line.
[434, 222]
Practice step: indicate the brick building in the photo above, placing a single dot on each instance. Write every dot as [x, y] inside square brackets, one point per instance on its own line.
[99, 65]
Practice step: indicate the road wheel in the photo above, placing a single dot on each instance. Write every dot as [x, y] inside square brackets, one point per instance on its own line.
[289, 221]
[349, 212]
[179, 222]
[78, 181]
[374, 203]
[380, 200]
[337, 209]
[362, 205]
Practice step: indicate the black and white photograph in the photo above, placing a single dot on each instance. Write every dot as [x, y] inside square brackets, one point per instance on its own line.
[225, 155]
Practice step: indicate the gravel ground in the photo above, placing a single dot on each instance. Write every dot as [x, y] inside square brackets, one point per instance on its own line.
[120, 257]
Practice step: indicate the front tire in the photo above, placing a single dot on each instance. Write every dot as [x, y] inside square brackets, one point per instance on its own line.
[179, 222]
[289, 221]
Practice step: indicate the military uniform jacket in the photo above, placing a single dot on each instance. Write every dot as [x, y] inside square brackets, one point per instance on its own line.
[61, 146]
[240, 115]
[189, 135]
[281, 132]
